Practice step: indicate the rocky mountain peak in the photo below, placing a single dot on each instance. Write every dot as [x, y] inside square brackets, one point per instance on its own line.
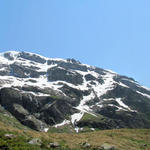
[42, 92]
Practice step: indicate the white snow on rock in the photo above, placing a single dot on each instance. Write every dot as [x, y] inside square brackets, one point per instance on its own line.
[146, 95]
[120, 83]
[118, 108]
[76, 117]
[82, 108]
[145, 88]
[109, 84]
[132, 81]
[120, 102]
[62, 123]
[46, 129]
[77, 129]
[111, 71]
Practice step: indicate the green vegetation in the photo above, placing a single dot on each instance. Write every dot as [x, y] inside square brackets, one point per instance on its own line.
[62, 129]
[55, 97]
[9, 120]
[124, 139]
[91, 117]
[17, 143]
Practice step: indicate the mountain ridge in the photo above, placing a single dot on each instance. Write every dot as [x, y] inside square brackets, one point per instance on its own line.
[42, 92]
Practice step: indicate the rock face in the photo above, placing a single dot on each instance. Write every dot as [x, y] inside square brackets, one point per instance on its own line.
[55, 74]
[42, 92]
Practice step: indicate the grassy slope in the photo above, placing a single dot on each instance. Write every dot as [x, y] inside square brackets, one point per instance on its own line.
[124, 139]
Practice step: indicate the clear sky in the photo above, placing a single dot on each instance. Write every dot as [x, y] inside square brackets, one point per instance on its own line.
[111, 34]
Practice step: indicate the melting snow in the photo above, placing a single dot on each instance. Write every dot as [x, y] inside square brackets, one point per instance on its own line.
[123, 85]
[83, 108]
[99, 89]
[111, 71]
[146, 95]
[108, 84]
[145, 88]
[46, 129]
[62, 123]
[120, 102]
[76, 117]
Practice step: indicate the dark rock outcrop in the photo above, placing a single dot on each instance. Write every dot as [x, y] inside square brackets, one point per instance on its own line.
[56, 73]
[32, 57]
[35, 112]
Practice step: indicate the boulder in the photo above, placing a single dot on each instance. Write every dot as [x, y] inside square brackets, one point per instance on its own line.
[35, 141]
[107, 146]
[10, 136]
[34, 123]
[54, 145]
[86, 145]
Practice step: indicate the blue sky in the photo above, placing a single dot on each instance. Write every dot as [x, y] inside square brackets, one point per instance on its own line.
[111, 34]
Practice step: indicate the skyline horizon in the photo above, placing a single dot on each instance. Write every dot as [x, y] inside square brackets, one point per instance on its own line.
[107, 34]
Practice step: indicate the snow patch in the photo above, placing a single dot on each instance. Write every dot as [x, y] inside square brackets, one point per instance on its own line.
[76, 117]
[92, 129]
[82, 108]
[111, 71]
[62, 123]
[108, 84]
[145, 88]
[120, 102]
[146, 95]
[120, 83]
[46, 129]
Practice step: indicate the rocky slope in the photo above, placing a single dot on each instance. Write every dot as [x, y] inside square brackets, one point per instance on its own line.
[42, 92]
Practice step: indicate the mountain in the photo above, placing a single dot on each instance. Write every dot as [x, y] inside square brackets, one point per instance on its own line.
[42, 92]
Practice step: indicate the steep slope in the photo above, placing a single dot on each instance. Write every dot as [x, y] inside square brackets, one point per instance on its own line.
[42, 92]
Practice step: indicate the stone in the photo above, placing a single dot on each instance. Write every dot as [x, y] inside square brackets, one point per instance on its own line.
[86, 145]
[35, 141]
[10, 136]
[107, 146]
[54, 145]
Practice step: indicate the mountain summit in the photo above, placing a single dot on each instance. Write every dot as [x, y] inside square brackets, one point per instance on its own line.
[43, 92]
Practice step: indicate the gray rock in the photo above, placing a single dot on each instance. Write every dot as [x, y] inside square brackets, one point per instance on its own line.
[54, 145]
[20, 71]
[10, 136]
[56, 73]
[89, 77]
[35, 141]
[34, 123]
[32, 57]
[107, 146]
[8, 56]
[86, 145]
[70, 64]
